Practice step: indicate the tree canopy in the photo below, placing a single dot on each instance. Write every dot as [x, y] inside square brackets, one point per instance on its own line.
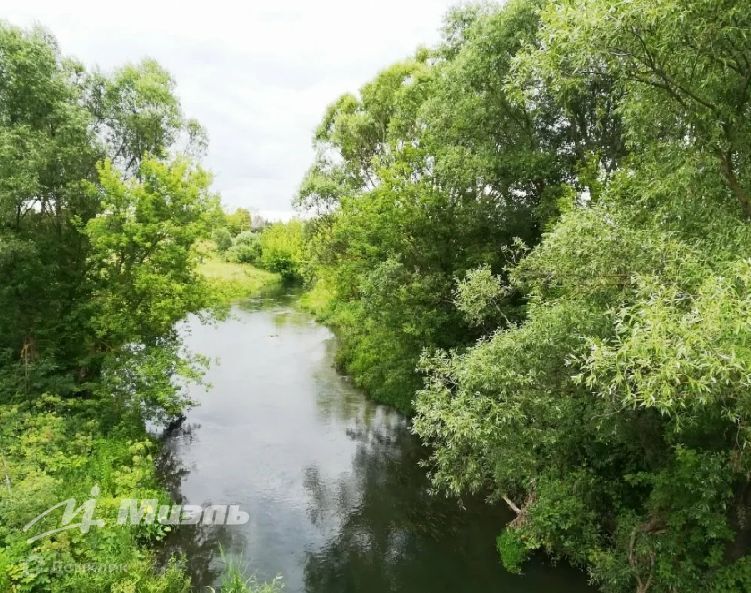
[100, 206]
[536, 237]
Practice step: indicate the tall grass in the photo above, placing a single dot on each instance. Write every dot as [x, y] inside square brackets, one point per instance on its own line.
[234, 281]
[236, 580]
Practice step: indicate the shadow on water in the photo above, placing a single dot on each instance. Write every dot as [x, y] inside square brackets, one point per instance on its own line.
[337, 498]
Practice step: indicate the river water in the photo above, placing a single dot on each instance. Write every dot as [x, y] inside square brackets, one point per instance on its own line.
[337, 500]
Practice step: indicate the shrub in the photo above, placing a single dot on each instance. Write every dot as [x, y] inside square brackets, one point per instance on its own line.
[222, 239]
[246, 248]
[282, 248]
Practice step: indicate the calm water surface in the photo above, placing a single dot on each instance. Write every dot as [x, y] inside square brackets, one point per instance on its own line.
[337, 500]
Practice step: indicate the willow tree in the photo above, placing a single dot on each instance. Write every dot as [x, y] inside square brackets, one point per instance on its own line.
[436, 167]
[614, 420]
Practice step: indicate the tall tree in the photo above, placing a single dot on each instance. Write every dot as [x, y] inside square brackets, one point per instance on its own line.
[613, 420]
[437, 167]
[98, 214]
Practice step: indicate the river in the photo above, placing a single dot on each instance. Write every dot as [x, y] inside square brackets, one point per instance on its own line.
[338, 502]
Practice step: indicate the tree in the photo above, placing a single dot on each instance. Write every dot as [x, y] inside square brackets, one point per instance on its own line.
[683, 69]
[223, 239]
[282, 249]
[239, 221]
[95, 252]
[549, 211]
[613, 419]
[101, 206]
[137, 113]
[435, 168]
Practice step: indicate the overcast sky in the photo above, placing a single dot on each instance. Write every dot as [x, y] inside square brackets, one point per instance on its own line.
[258, 75]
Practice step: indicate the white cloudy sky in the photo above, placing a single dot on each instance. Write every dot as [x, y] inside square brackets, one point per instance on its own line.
[257, 74]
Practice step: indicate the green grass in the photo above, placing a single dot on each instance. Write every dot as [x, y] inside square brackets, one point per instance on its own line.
[235, 281]
[235, 580]
[55, 449]
[317, 301]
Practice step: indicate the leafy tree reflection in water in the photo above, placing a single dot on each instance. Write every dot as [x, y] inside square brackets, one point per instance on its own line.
[337, 499]
[392, 534]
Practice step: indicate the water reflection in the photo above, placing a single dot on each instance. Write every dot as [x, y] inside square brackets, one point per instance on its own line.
[337, 499]
[199, 544]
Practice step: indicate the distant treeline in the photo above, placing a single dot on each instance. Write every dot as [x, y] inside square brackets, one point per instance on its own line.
[278, 247]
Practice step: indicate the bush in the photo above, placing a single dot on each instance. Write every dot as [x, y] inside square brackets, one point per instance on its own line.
[55, 449]
[223, 239]
[282, 248]
[512, 550]
[246, 248]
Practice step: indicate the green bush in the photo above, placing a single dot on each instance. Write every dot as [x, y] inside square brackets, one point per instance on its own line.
[223, 239]
[513, 550]
[246, 248]
[58, 449]
[282, 249]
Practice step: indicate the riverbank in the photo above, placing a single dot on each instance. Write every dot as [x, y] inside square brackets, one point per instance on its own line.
[396, 389]
[338, 499]
[55, 449]
[317, 301]
[232, 281]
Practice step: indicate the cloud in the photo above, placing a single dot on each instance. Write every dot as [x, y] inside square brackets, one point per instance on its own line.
[258, 75]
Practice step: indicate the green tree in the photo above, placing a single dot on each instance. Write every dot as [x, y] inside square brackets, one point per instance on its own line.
[96, 259]
[138, 113]
[613, 419]
[101, 205]
[282, 249]
[568, 183]
[440, 168]
[222, 239]
[238, 221]
[246, 248]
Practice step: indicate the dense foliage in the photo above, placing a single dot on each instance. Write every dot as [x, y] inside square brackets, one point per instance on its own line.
[548, 214]
[99, 210]
[433, 170]
[278, 247]
[56, 449]
[102, 202]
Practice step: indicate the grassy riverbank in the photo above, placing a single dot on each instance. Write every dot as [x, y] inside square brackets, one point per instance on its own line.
[235, 281]
[317, 301]
[320, 301]
[56, 449]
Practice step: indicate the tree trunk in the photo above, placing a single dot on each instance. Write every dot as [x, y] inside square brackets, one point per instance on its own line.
[740, 193]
